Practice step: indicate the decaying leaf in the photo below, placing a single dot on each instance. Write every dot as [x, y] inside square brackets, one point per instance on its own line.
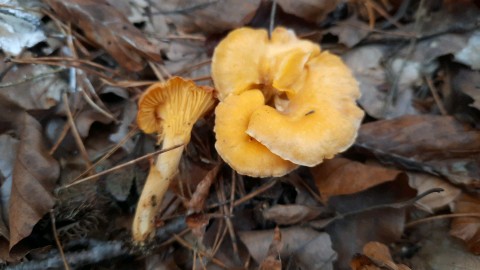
[439, 251]
[468, 81]
[34, 176]
[19, 28]
[370, 68]
[197, 202]
[33, 87]
[109, 28]
[376, 256]
[209, 16]
[467, 228]
[351, 31]
[311, 10]
[119, 183]
[423, 182]
[363, 220]
[308, 248]
[272, 262]
[340, 176]
[470, 55]
[292, 213]
[429, 143]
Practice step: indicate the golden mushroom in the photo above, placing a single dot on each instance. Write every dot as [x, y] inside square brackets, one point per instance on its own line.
[284, 98]
[170, 109]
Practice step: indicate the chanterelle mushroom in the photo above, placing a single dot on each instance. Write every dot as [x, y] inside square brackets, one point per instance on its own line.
[170, 109]
[295, 101]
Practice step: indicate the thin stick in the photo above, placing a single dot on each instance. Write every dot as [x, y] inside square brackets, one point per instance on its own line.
[454, 215]
[120, 166]
[261, 189]
[108, 154]
[41, 75]
[184, 243]
[75, 133]
[273, 12]
[436, 97]
[59, 245]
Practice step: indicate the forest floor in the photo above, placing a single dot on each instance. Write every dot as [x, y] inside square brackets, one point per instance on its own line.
[73, 160]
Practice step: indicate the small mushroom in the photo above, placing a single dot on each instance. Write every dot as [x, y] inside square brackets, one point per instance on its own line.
[170, 109]
[284, 102]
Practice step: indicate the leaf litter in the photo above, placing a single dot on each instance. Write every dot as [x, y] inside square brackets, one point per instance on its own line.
[367, 208]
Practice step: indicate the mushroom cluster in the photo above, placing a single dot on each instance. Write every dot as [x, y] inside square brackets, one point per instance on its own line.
[283, 102]
[169, 109]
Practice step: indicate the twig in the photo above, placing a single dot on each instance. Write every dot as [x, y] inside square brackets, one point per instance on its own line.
[75, 133]
[41, 75]
[436, 97]
[454, 215]
[184, 243]
[259, 190]
[119, 167]
[99, 251]
[59, 245]
[273, 12]
[108, 154]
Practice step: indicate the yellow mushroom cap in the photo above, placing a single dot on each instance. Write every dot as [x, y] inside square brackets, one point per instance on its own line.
[243, 153]
[247, 59]
[172, 108]
[319, 121]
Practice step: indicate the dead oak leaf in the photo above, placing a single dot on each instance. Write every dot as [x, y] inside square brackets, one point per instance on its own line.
[306, 247]
[109, 28]
[34, 176]
[376, 256]
[467, 228]
[429, 143]
[340, 176]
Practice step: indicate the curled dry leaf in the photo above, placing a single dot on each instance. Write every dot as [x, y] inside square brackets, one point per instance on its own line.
[311, 10]
[34, 176]
[340, 176]
[272, 262]
[467, 228]
[109, 28]
[292, 213]
[197, 202]
[423, 182]
[308, 248]
[376, 256]
[209, 16]
[428, 143]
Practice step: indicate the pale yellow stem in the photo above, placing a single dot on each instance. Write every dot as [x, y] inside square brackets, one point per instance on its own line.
[158, 180]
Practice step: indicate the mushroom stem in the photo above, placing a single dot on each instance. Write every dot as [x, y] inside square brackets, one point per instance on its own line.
[156, 185]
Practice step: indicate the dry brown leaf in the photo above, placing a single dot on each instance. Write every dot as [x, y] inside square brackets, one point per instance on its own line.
[109, 28]
[311, 10]
[34, 176]
[208, 16]
[385, 225]
[429, 143]
[33, 87]
[467, 228]
[468, 81]
[423, 182]
[197, 202]
[439, 251]
[197, 223]
[292, 213]
[376, 257]
[350, 31]
[272, 262]
[306, 247]
[340, 176]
